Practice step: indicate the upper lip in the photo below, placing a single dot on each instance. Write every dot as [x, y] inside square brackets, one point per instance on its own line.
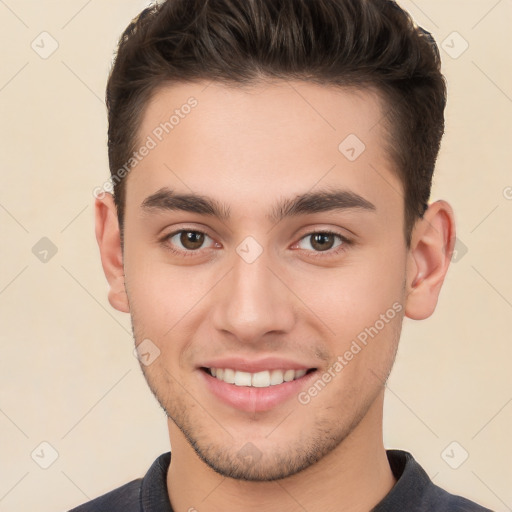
[256, 365]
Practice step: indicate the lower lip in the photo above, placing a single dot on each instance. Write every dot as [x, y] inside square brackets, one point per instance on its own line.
[251, 399]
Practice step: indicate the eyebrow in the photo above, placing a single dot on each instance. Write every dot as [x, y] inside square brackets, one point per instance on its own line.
[304, 204]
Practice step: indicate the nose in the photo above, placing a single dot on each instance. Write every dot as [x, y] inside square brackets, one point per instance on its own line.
[253, 302]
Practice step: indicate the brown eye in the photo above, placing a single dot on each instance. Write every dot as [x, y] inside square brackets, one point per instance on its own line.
[186, 241]
[191, 239]
[322, 241]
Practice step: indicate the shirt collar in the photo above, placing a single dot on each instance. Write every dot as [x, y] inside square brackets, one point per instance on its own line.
[412, 482]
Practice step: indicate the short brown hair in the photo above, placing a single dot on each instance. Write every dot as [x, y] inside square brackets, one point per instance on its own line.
[348, 43]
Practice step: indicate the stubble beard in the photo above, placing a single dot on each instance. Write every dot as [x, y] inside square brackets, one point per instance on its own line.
[233, 459]
[246, 461]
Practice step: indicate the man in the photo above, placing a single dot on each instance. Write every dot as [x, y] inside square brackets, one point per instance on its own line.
[268, 232]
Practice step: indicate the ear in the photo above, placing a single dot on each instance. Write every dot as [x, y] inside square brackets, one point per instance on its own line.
[432, 244]
[109, 242]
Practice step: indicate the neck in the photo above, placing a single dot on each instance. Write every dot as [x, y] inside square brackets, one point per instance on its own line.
[354, 477]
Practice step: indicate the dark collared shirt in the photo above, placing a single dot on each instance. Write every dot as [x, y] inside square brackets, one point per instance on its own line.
[413, 491]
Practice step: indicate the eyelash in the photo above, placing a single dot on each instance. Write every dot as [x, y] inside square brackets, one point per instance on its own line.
[345, 243]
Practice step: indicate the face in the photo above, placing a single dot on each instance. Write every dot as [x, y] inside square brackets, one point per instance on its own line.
[283, 269]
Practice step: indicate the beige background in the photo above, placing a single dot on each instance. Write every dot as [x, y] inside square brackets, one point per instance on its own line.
[67, 372]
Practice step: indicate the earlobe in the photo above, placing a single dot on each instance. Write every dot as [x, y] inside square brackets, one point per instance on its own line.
[109, 242]
[432, 245]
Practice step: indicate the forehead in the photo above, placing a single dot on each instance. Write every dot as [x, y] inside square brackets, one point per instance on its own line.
[239, 144]
[296, 110]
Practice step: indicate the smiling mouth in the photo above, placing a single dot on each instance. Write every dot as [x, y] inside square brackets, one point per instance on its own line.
[262, 379]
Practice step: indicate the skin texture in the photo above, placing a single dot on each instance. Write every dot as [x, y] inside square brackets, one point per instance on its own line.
[249, 148]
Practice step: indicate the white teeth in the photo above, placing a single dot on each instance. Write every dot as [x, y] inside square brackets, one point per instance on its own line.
[262, 379]
[300, 373]
[276, 377]
[288, 375]
[229, 376]
[242, 379]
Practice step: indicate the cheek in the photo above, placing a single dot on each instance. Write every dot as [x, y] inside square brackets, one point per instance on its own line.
[161, 293]
[354, 296]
